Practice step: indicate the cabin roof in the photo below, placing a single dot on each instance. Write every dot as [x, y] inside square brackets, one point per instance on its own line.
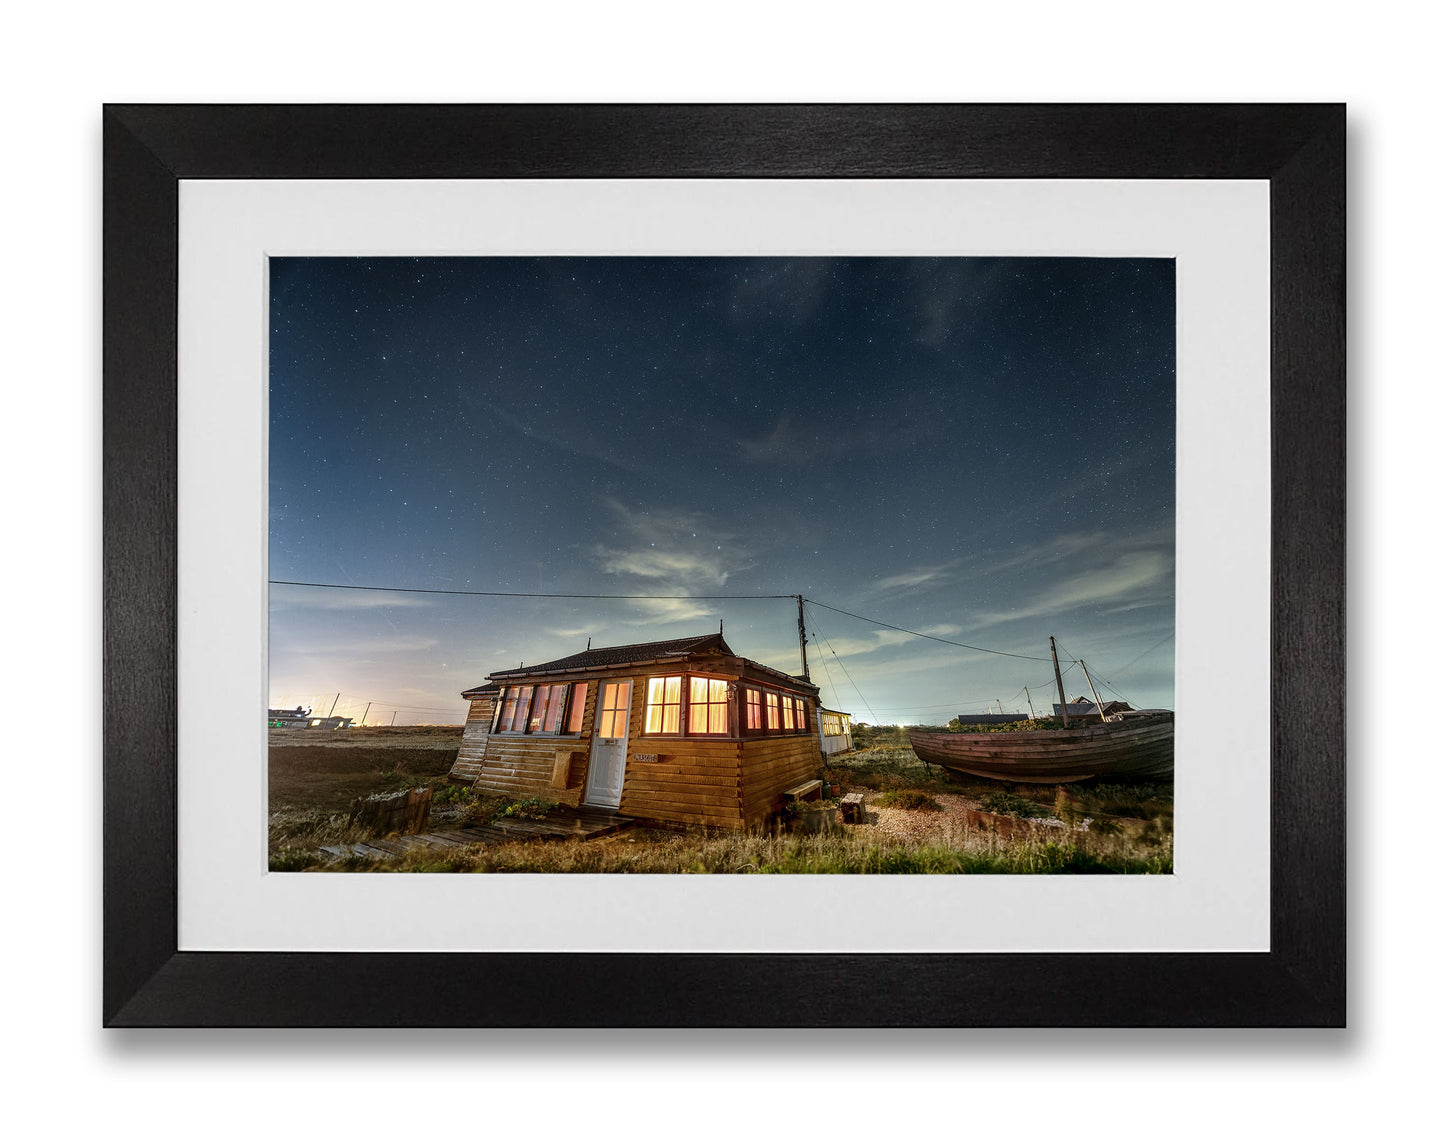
[1083, 706]
[639, 653]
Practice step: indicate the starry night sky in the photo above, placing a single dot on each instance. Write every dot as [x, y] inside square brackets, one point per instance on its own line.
[980, 449]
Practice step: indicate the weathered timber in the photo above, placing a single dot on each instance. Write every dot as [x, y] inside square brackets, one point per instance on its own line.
[404, 811]
[1139, 746]
[853, 808]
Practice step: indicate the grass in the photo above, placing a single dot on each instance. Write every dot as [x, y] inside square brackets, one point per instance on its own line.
[1130, 828]
[732, 854]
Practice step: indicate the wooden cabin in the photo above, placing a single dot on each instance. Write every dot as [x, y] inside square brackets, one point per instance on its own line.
[680, 731]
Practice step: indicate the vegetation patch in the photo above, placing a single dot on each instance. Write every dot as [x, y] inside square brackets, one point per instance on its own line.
[844, 853]
[1005, 803]
[534, 808]
[908, 800]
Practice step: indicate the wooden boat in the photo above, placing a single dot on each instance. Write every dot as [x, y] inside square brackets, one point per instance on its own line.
[1136, 745]
[1127, 745]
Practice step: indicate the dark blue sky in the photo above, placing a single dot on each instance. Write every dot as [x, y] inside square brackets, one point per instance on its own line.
[979, 449]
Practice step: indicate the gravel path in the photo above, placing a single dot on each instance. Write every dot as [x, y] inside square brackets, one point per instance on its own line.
[920, 825]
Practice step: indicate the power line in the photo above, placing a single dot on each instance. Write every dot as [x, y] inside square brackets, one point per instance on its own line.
[507, 594]
[844, 668]
[917, 634]
[698, 598]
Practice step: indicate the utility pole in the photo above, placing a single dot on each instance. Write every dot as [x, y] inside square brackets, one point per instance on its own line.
[393, 721]
[1030, 700]
[333, 706]
[363, 715]
[1059, 680]
[802, 639]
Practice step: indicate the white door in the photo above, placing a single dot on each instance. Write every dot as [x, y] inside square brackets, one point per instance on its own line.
[608, 760]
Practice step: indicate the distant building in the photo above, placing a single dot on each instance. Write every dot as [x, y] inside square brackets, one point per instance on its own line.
[836, 730]
[970, 719]
[1083, 706]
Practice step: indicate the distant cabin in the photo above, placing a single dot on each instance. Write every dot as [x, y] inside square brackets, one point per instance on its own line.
[682, 731]
[968, 719]
[835, 730]
[1083, 706]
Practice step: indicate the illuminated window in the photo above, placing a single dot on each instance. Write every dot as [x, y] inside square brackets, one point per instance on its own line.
[547, 708]
[664, 704]
[789, 714]
[755, 710]
[612, 710]
[773, 722]
[707, 706]
[579, 705]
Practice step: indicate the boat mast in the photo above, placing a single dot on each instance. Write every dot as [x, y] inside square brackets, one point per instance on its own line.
[1097, 702]
[1059, 681]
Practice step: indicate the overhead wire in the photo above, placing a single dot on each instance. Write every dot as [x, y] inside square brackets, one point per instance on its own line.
[920, 634]
[844, 668]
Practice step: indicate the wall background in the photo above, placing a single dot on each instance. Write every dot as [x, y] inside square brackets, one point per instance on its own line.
[63, 64]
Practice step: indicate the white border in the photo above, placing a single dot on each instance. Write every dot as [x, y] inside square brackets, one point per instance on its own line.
[1218, 899]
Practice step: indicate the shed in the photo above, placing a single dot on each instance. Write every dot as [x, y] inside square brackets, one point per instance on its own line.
[682, 730]
[835, 730]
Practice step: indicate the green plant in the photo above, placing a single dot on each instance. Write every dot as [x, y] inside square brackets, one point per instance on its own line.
[1064, 808]
[534, 808]
[1011, 804]
[452, 795]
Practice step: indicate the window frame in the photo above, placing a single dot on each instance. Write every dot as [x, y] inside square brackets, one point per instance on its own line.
[539, 698]
[685, 705]
[779, 712]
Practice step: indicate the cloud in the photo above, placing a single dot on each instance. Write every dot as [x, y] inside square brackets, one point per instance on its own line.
[369, 650]
[330, 598]
[918, 577]
[1134, 578]
[1064, 546]
[674, 547]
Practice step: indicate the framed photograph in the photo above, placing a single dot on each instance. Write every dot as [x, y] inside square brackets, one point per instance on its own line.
[794, 393]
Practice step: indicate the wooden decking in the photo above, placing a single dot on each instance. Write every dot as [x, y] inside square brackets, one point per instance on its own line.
[579, 825]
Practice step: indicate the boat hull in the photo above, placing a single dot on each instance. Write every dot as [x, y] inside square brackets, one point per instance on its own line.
[1141, 748]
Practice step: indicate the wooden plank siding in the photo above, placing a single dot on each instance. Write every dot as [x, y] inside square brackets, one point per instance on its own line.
[521, 766]
[771, 766]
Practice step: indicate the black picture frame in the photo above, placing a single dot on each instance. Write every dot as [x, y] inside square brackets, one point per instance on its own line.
[1299, 149]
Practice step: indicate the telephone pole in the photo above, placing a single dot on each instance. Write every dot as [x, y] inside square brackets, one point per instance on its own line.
[802, 639]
